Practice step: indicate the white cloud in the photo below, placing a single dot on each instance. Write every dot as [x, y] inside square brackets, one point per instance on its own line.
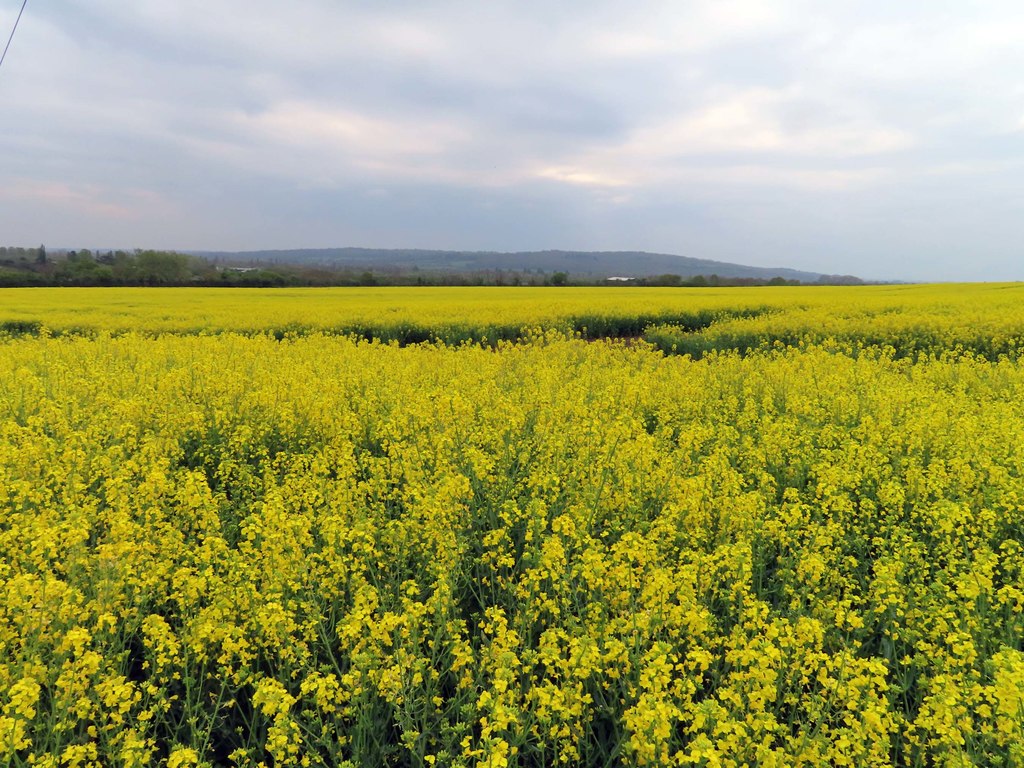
[357, 135]
[85, 199]
[754, 121]
[671, 28]
[744, 138]
[586, 178]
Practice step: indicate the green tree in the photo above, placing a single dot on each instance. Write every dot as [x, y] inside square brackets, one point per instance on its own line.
[162, 267]
[667, 280]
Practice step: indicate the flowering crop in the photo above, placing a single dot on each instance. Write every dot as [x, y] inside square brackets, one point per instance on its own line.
[240, 549]
[452, 315]
[910, 320]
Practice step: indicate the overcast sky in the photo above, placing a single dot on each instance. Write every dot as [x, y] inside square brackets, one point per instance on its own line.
[878, 138]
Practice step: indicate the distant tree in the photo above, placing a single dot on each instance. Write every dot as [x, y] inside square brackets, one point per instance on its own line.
[162, 267]
[840, 280]
[41, 255]
[12, 278]
[560, 278]
[668, 280]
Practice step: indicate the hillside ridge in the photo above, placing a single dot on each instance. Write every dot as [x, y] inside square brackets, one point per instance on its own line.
[576, 263]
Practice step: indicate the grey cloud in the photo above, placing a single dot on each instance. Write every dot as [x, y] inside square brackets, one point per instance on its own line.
[873, 138]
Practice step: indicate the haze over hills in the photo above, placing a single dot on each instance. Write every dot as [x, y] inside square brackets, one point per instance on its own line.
[578, 264]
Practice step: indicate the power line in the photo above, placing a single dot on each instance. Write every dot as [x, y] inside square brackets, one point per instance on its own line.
[4, 54]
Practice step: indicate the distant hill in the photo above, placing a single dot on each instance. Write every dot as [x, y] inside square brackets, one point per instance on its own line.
[579, 264]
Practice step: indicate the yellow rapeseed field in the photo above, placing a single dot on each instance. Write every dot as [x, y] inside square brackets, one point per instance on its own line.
[772, 527]
[490, 314]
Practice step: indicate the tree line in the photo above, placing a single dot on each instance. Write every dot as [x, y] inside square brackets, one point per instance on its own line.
[147, 267]
[36, 266]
